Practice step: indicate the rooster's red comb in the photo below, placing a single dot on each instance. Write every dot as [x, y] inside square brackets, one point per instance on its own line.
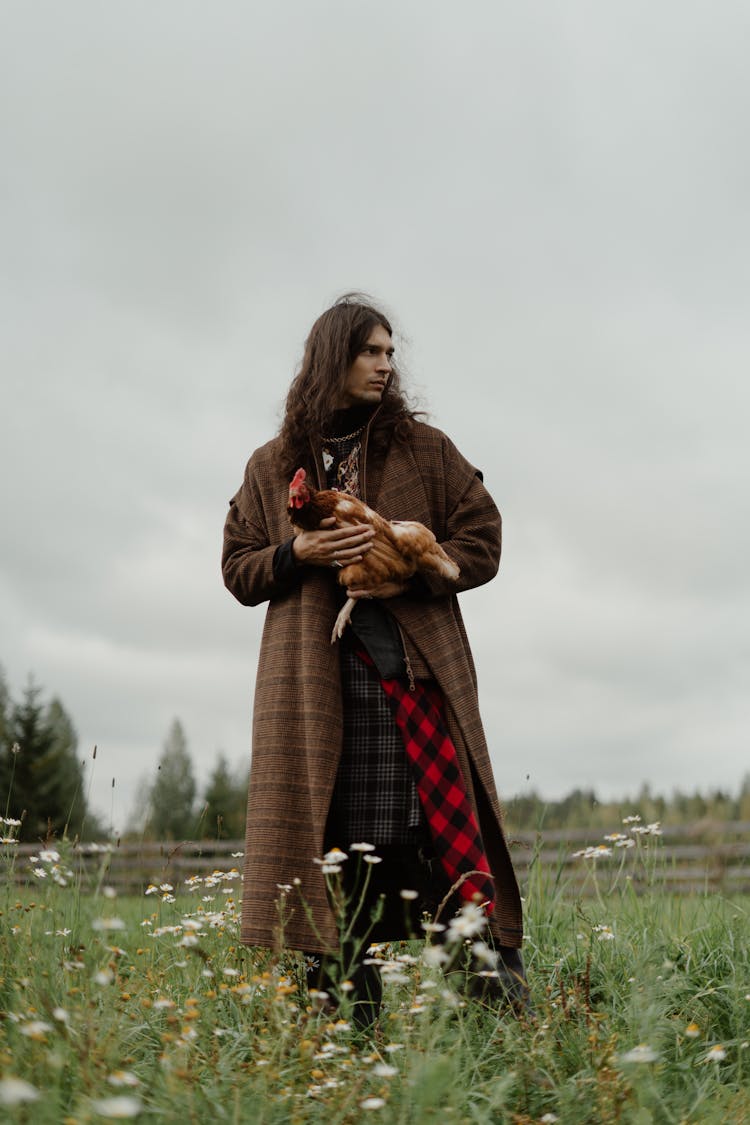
[299, 478]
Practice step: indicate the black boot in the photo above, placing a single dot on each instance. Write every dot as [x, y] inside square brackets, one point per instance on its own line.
[501, 983]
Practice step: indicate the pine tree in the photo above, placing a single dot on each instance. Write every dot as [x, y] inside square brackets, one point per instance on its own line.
[38, 751]
[7, 755]
[172, 795]
[743, 803]
[225, 801]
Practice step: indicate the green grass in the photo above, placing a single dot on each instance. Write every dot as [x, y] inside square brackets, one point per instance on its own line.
[189, 1026]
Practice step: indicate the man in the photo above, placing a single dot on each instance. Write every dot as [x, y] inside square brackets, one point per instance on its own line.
[333, 763]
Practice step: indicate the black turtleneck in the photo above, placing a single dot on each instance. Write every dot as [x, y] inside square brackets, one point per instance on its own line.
[348, 421]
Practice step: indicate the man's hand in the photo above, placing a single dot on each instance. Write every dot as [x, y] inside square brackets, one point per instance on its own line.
[331, 545]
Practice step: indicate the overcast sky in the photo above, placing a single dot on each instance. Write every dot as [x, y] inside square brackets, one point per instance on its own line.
[551, 200]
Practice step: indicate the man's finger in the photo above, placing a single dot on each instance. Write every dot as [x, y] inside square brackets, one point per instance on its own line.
[355, 529]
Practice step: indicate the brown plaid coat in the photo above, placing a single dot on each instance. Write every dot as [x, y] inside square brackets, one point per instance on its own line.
[297, 718]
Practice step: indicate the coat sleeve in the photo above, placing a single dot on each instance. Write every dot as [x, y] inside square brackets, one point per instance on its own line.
[248, 554]
[473, 527]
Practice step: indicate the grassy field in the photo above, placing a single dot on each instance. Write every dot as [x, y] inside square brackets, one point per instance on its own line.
[150, 1008]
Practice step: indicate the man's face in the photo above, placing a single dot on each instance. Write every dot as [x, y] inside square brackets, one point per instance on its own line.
[369, 373]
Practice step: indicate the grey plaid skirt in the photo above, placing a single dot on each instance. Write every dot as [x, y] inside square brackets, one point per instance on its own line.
[375, 800]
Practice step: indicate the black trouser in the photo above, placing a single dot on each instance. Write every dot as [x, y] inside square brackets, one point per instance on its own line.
[375, 911]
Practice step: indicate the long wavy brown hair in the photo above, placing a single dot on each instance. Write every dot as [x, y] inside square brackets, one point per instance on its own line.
[336, 339]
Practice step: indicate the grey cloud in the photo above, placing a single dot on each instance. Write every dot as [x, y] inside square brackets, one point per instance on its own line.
[555, 211]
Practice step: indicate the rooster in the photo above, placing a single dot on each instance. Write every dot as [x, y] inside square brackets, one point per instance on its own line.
[398, 550]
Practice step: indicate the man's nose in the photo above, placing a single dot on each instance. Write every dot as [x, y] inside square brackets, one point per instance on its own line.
[385, 364]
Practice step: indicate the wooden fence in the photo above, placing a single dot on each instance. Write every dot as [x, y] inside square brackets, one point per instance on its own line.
[706, 856]
[682, 859]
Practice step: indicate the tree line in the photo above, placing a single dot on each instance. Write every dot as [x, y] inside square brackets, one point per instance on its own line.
[43, 781]
[43, 784]
[41, 776]
[581, 808]
[174, 809]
